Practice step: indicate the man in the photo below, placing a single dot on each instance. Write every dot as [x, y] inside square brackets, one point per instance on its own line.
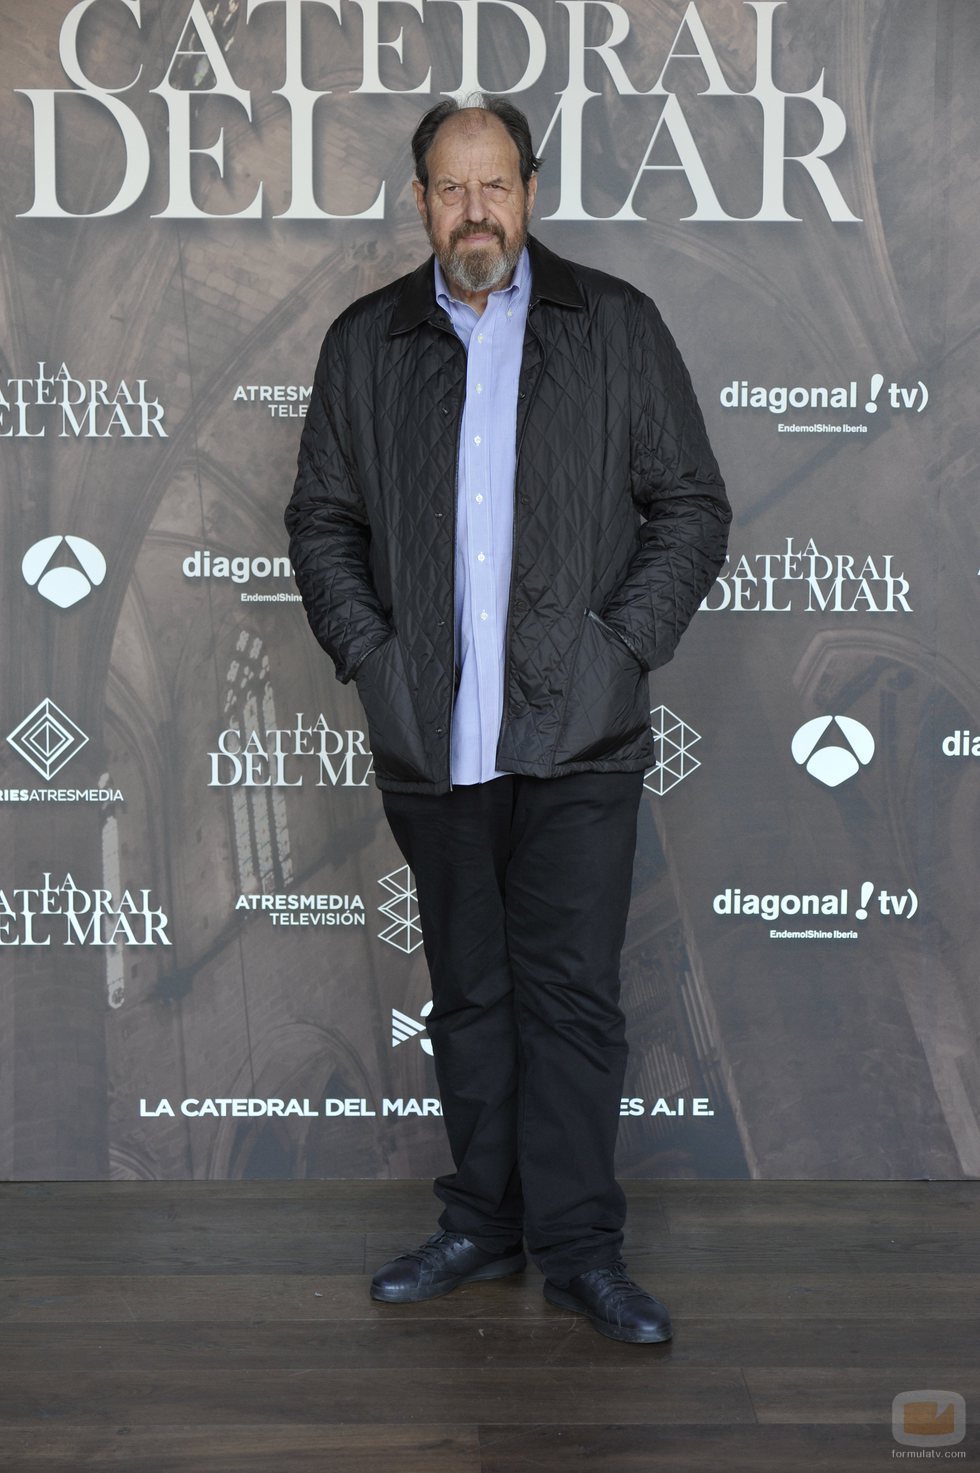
[506, 514]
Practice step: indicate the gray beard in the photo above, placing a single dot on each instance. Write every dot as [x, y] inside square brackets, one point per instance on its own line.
[480, 271]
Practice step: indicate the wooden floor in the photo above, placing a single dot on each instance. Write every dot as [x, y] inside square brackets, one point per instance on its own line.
[226, 1327]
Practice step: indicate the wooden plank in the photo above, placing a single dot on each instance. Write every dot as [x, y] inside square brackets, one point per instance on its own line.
[652, 1390]
[388, 1343]
[825, 1204]
[173, 1249]
[202, 1298]
[840, 1394]
[277, 1447]
[708, 1449]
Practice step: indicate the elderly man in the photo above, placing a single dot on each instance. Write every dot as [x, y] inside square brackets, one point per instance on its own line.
[506, 513]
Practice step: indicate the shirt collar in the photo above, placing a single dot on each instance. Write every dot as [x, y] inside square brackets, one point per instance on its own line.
[519, 283]
[553, 279]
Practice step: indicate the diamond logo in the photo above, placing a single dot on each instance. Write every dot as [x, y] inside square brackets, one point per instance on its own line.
[673, 740]
[405, 931]
[47, 739]
[404, 1027]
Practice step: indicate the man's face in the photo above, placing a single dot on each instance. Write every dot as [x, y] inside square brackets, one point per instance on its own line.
[476, 208]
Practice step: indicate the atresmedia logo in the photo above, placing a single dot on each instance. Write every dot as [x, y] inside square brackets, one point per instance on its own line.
[67, 582]
[838, 760]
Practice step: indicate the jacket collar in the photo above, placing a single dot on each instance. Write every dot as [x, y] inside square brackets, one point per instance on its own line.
[551, 279]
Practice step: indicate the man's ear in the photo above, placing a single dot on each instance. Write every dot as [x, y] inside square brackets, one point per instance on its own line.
[532, 189]
[419, 193]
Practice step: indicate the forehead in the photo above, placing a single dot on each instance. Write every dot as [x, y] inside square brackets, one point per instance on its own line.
[482, 148]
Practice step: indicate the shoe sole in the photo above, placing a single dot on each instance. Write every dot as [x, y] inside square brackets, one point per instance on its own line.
[562, 1300]
[499, 1270]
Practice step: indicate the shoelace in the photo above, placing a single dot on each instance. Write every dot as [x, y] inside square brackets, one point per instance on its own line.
[618, 1274]
[430, 1248]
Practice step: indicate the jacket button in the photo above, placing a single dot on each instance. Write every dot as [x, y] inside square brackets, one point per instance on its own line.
[441, 623]
[520, 605]
[440, 513]
[440, 730]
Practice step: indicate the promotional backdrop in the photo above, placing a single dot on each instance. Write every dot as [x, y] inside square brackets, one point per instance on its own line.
[210, 948]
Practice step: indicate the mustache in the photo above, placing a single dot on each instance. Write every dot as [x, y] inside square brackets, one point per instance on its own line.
[488, 227]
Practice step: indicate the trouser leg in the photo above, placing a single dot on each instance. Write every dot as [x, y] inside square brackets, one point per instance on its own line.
[456, 845]
[568, 887]
[523, 888]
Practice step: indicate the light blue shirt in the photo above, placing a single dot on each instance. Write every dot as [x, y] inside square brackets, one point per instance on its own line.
[494, 343]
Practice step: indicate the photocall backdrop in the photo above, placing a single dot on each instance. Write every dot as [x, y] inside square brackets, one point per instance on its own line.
[211, 953]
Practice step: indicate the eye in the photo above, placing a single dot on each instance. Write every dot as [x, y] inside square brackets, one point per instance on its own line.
[496, 191]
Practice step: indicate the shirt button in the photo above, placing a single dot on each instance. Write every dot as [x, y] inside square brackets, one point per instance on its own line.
[484, 614]
[509, 312]
[476, 439]
[481, 557]
[479, 337]
[479, 388]
[478, 496]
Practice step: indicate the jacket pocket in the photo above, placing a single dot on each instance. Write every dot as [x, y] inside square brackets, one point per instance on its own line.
[607, 696]
[393, 730]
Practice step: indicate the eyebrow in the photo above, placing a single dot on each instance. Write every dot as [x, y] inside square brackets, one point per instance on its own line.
[451, 179]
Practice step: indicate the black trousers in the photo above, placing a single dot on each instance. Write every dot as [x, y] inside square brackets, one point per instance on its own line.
[523, 888]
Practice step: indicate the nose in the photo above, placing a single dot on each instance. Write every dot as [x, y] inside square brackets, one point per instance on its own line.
[475, 209]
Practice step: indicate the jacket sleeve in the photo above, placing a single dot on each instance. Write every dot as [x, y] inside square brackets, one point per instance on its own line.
[677, 486]
[328, 526]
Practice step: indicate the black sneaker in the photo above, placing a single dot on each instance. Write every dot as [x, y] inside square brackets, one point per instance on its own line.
[438, 1266]
[616, 1305]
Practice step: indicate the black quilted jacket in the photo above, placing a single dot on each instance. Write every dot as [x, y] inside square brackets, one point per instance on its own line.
[620, 522]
